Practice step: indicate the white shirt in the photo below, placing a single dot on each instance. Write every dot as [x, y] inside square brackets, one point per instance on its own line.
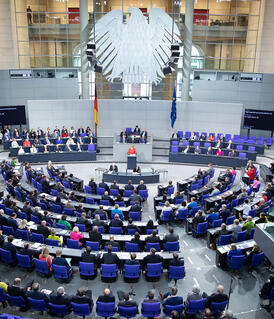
[186, 150]
[14, 144]
[246, 210]
[33, 150]
[21, 151]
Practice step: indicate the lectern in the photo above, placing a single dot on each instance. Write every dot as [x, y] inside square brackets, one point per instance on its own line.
[131, 161]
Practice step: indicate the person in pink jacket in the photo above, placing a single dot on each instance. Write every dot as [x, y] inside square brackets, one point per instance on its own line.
[76, 235]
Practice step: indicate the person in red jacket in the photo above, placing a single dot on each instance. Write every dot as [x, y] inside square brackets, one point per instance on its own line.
[251, 173]
[131, 150]
[220, 152]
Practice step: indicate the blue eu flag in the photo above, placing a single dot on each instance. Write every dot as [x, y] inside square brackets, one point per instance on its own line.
[173, 114]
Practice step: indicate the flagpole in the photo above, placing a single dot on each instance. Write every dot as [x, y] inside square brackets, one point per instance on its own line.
[96, 129]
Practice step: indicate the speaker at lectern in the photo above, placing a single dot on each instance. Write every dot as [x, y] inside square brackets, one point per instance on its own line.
[131, 158]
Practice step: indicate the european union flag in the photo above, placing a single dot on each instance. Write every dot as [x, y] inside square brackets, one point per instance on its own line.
[173, 114]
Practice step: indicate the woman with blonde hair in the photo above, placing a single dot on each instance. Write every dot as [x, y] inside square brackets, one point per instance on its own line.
[44, 256]
[23, 224]
[76, 235]
[55, 237]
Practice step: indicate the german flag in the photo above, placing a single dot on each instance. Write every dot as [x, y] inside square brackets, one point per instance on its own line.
[95, 109]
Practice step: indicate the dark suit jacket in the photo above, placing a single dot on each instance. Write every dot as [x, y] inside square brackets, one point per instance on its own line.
[83, 299]
[129, 187]
[135, 208]
[171, 238]
[216, 298]
[116, 223]
[43, 230]
[38, 295]
[11, 189]
[224, 214]
[178, 262]
[106, 298]
[93, 186]
[95, 236]
[60, 299]
[3, 220]
[141, 187]
[132, 262]
[129, 303]
[60, 261]
[17, 291]
[153, 259]
[12, 223]
[110, 258]
[104, 185]
[173, 300]
[113, 168]
[10, 247]
[153, 239]
[89, 258]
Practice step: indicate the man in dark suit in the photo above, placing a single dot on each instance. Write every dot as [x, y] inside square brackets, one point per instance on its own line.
[29, 252]
[45, 184]
[114, 185]
[60, 261]
[43, 229]
[98, 222]
[27, 209]
[153, 238]
[132, 226]
[3, 219]
[129, 186]
[109, 257]
[150, 297]
[135, 197]
[104, 185]
[137, 130]
[7, 201]
[224, 213]
[87, 257]
[171, 298]
[219, 296]
[112, 243]
[16, 290]
[11, 188]
[83, 297]
[199, 218]
[106, 197]
[113, 168]
[171, 237]
[116, 222]
[94, 235]
[12, 222]
[141, 186]
[144, 135]
[19, 189]
[152, 258]
[32, 197]
[44, 201]
[47, 218]
[84, 221]
[10, 247]
[107, 296]
[127, 302]
[136, 207]
[36, 294]
[176, 261]
[99, 212]
[60, 297]
[132, 260]
[92, 185]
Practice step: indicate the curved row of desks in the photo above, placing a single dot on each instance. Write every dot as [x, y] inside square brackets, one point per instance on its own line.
[57, 157]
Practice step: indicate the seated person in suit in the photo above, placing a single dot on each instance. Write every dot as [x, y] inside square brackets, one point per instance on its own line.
[83, 296]
[131, 150]
[141, 186]
[83, 220]
[88, 257]
[132, 226]
[113, 168]
[93, 185]
[116, 222]
[144, 136]
[126, 301]
[99, 212]
[175, 136]
[171, 237]
[123, 136]
[95, 235]
[150, 297]
[10, 247]
[106, 297]
[153, 238]
[112, 243]
[137, 130]
[98, 222]
[60, 298]
[194, 295]
[136, 240]
[104, 185]
[267, 286]
[152, 258]
[114, 185]
[37, 294]
[137, 170]
[198, 218]
[12, 222]
[16, 290]
[170, 298]
[176, 261]
[219, 296]
[135, 197]
[27, 251]
[132, 260]
[60, 261]
[109, 257]
[209, 151]
[129, 186]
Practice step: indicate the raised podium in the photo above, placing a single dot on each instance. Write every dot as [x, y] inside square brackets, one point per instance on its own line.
[131, 161]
